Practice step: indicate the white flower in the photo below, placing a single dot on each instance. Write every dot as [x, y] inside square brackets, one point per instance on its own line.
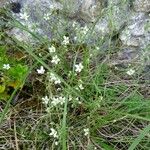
[55, 101]
[69, 98]
[57, 81]
[78, 67]
[6, 66]
[130, 72]
[74, 24]
[77, 99]
[54, 79]
[62, 100]
[45, 100]
[66, 40]
[40, 54]
[24, 16]
[58, 100]
[48, 110]
[52, 49]
[53, 133]
[101, 97]
[79, 102]
[47, 16]
[81, 86]
[41, 70]
[84, 30]
[56, 142]
[75, 38]
[86, 131]
[59, 89]
[55, 60]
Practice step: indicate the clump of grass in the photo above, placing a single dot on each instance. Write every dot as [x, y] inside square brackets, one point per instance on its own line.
[85, 104]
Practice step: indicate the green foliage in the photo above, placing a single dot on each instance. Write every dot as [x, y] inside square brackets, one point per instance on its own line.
[11, 77]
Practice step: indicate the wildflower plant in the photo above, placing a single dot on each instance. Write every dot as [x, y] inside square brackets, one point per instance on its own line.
[83, 105]
[12, 73]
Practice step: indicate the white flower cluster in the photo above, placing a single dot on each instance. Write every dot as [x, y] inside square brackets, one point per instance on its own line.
[81, 32]
[53, 78]
[58, 100]
[54, 134]
[86, 131]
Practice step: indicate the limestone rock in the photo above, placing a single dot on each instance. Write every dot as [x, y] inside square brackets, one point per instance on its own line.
[137, 32]
[141, 5]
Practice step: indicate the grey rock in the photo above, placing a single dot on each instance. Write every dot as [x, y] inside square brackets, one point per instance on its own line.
[141, 5]
[88, 21]
[136, 34]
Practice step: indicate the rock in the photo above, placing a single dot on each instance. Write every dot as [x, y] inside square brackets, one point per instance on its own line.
[136, 34]
[141, 5]
[93, 22]
[58, 16]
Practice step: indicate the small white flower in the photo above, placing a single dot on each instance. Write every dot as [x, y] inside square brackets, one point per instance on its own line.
[6, 66]
[84, 30]
[79, 102]
[86, 131]
[24, 16]
[130, 72]
[78, 67]
[41, 70]
[48, 110]
[55, 101]
[58, 100]
[101, 97]
[97, 48]
[52, 49]
[59, 89]
[69, 98]
[77, 99]
[75, 38]
[54, 79]
[62, 100]
[81, 86]
[58, 81]
[55, 60]
[56, 143]
[40, 54]
[45, 100]
[53, 133]
[66, 40]
[47, 16]
[74, 24]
